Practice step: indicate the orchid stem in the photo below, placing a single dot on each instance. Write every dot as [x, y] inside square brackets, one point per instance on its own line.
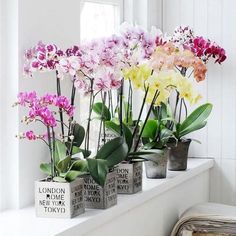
[146, 119]
[140, 113]
[60, 110]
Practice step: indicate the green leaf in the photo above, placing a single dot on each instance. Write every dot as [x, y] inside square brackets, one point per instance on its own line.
[80, 165]
[116, 129]
[59, 179]
[150, 145]
[196, 120]
[153, 156]
[165, 134]
[98, 169]
[63, 165]
[76, 150]
[150, 129]
[46, 168]
[60, 151]
[114, 151]
[191, 129]
[73, 174]
[102, 110]
[113, 127]
[79, 134]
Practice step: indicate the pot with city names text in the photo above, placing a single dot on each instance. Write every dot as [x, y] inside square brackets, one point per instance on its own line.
[129, 177]
[97, 197]
[59, 200]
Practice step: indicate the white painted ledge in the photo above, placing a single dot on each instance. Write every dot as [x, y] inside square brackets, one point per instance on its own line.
[24, 222]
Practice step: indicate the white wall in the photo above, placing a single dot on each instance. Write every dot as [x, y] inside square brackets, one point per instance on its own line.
[214, 19]
[50, 21]
[24, 23]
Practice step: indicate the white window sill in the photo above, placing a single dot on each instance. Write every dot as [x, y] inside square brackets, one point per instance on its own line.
[24, 222]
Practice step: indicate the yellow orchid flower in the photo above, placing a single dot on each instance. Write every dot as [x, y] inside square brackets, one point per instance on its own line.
[138, 75]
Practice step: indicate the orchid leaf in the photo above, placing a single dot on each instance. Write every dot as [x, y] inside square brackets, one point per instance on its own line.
[59, 179]
[116, 129]
[79, 133]
[150, 129]
[60, 151]
[102, 110]
[46, 168]
[73, 174]
[63, 165]
[114, 151]
[195, 121]
[80, 165]
[98, 169]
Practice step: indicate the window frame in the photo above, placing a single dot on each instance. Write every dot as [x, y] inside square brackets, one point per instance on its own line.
[118, 3]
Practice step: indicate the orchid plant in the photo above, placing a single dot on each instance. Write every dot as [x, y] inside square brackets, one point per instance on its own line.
[86, 66]
[185, 54]
[43, 109]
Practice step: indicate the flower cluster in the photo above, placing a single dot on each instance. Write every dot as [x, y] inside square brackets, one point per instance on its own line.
[184, 37]
[97, 61]
[205, 49]
[101, 60]
[169, 57]
[164, 81]
[42, 57]
[39, 107]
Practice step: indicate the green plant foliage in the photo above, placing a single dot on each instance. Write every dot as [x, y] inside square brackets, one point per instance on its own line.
[114, 151]
[60, 151]
[98, 169]
[100, 109]
[116, 129]
[195, 121]
[63, 164]
[72, 175]
[80, 165]
[46, 168]
[78, 133]
[150, 129]
[155, 134]
[59, 179]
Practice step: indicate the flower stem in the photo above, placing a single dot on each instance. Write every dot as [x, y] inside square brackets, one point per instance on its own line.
[186, 109]
[60, 110]
[53, 151]
[50, 149]
[91, 101]
[146, 119]
[176, 103]
[140, 113]
[121, 105]
[180, 109]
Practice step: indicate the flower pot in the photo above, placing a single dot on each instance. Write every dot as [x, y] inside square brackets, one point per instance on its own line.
[59, 200]
[178, 156]
[98, 197]
[129, 177]
[157, 166]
